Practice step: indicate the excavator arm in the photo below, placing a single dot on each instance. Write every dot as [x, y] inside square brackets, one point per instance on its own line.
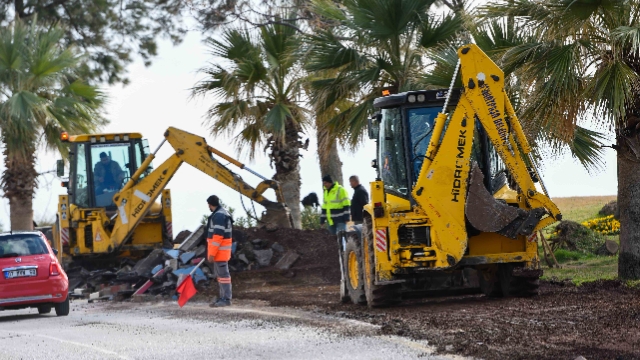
[450, 185]
[135, 199]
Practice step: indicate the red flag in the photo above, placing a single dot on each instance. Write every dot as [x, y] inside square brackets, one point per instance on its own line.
[186, 291]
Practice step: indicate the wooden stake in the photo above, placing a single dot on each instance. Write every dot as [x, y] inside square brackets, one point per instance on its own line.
[546, 244]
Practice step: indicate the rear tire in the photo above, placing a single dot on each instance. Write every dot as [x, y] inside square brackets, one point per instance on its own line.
[516, 285]
[44, 309]
[376, 295]
[489, 282]
[353, 275]
[62, 309]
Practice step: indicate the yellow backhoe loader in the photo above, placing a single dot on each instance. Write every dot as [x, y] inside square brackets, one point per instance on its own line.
[455, 205]
[110, 208]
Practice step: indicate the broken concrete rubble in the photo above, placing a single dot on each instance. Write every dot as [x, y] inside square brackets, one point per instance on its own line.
[263, 257]
[158, 274]
[287, 260]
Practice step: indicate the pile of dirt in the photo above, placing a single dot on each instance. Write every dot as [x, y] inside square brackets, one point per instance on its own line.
[317, 248]
[316, 269]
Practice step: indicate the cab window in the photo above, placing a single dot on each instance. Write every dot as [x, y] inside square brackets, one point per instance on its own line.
[421, 127]
[111, 169]
[79, 180]
[391, 158]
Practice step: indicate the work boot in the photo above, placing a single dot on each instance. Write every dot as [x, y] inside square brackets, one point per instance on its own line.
[221, 303]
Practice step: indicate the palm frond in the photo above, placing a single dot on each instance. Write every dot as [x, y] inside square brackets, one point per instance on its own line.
[436, 31]
[613, 86]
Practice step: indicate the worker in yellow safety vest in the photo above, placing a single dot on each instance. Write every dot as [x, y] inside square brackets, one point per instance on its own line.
[335, 206]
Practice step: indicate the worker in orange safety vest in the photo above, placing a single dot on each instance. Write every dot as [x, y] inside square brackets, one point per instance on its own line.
[219, 228]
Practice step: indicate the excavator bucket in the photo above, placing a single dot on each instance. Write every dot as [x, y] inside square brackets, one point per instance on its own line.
[487, 214]
[278, 217]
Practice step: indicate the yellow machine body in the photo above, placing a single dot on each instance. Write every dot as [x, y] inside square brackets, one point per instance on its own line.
[135, 217]
[453, 224]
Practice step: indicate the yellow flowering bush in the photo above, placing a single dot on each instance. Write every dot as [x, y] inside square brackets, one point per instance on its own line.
[607, 225]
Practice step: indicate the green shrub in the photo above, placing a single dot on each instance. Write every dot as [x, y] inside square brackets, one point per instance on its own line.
[575, 237]
[310, 218]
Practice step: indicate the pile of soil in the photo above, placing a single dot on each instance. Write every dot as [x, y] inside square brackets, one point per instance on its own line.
[317, 267]
[317, 248]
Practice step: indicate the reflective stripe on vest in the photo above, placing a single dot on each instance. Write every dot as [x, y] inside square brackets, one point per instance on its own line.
[219, 248]
[335, 199]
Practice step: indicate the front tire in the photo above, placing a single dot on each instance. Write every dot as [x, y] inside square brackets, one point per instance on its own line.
[353, 275]
[376, 295]
[62, 309]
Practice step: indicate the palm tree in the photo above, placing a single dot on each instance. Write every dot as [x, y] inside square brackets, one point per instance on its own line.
[260, 90]
[40, 96]
[582, 63]
[368, 45]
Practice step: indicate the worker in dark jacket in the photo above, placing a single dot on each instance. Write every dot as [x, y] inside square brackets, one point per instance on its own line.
[359, 200]
[219, 228]
[335, 206]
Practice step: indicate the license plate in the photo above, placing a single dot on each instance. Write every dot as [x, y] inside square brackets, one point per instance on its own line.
[20, 273]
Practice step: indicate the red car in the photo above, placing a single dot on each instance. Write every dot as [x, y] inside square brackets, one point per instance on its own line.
[31, 274]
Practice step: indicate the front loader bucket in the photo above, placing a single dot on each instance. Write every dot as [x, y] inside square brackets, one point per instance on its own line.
[278, 217]
[487, 214]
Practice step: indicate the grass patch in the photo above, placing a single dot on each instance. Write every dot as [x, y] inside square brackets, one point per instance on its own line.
[581, 208]
[584, 269]
[564, 256]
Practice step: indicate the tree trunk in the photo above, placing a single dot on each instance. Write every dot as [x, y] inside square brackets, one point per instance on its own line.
[19, 183]
[629, 207]
[328, 156]
[286, 158]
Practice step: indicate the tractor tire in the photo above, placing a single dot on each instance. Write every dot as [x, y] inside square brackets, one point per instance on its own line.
[353, 270]
[376, 295]
[516, 286]
[489, 282]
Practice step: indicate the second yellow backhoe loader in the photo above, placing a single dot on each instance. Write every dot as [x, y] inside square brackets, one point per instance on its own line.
[110, 208]
[455, 205]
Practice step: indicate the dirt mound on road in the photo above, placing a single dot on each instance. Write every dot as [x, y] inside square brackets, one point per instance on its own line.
[316, 273]
[317, 248]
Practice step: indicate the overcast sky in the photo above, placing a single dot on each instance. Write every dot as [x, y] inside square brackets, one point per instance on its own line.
[158, 97]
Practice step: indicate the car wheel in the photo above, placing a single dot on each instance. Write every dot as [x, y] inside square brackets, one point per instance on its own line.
[44, 309]
[62, 309]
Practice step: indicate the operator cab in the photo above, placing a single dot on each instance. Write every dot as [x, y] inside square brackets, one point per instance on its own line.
[403, 125]
[100, 165]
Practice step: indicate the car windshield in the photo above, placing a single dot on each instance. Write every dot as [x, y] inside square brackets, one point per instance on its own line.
[21, 245]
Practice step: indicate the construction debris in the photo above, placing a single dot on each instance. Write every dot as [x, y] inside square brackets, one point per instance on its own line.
[158, 274]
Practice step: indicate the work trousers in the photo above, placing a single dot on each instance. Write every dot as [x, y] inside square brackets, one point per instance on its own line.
[337, 227]
[224, 278]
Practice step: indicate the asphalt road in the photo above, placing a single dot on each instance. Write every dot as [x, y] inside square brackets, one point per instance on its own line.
[163, 331]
